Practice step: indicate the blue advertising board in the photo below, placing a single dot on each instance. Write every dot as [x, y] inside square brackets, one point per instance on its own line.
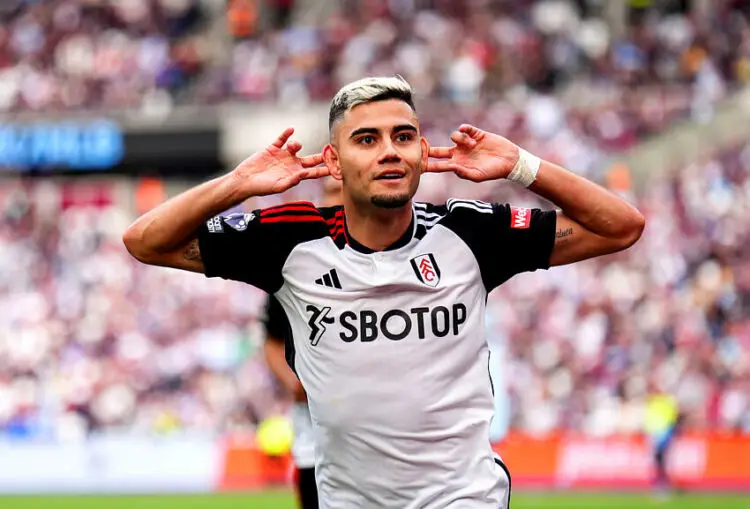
[84, 145]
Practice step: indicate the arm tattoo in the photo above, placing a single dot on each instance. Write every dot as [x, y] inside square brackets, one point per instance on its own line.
[564, 233]
[193, 251]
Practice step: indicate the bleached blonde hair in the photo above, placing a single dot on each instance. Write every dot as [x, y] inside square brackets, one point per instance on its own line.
[369, 90]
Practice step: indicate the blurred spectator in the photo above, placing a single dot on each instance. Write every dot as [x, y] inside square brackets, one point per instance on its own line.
[242, 16]
[282, 12]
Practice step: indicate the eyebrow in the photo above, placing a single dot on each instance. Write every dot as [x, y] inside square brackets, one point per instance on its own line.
[375, 130]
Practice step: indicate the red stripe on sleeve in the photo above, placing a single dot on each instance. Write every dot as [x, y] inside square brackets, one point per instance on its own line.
[291, 219]
[284, 210]
[306, 204]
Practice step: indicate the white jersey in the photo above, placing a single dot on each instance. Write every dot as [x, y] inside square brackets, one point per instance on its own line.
[390, 346]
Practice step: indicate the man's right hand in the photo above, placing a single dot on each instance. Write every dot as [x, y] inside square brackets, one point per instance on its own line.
[166, 235]
[278, 168]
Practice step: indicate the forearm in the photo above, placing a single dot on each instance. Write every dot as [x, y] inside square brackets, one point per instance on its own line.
[173, 224]
[593, 207]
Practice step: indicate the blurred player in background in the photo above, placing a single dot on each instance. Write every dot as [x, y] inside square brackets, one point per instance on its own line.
[278, 333]
[386, 297]
[497, 343]
[661, 426]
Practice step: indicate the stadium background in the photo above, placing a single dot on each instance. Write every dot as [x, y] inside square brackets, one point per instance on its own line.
[121, 378]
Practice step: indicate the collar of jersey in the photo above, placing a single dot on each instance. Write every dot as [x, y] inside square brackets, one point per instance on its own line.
[401, 242]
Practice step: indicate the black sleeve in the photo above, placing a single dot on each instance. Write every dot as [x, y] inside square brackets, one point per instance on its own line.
[275, 320]
[505, 240]
[253, 247]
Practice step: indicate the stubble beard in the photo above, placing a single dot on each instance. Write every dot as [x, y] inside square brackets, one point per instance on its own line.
[390, 201]
[393, 200]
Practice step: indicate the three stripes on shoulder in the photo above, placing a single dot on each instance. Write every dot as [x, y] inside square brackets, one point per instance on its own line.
[476, 205]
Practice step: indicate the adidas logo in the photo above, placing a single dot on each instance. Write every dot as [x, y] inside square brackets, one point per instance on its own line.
[330, 279]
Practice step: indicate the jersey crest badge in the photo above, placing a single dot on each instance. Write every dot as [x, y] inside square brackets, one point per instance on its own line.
[239, 220]
[426, 269]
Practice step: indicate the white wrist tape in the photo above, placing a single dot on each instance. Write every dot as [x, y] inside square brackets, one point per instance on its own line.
[525, 170]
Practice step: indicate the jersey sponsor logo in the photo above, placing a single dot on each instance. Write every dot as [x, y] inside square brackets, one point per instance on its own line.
[317, 322]
[426, 269]
[396, 324]
[214, 225]
[520, 218]
[239, 220]
[329, 279]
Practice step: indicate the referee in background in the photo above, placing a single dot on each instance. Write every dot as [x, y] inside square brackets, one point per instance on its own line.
[277, 334]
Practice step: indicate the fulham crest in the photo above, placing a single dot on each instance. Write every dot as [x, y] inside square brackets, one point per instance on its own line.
[426, 269]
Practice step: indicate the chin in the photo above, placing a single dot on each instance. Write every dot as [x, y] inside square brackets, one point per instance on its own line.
[390, 201]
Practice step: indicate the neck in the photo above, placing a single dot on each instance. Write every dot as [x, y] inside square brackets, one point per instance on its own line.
[377, 228]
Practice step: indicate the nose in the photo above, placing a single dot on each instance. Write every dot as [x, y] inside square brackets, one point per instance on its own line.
[389, 154]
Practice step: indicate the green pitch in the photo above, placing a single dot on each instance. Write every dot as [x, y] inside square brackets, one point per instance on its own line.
[283, 500]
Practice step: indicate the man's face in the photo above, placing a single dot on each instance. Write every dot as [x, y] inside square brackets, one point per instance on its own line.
[378, 153]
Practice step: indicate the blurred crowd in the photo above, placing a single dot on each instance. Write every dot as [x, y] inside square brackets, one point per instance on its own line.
[58, 55]
[142, 54]
[91, 340]
[548, 72]
[663, 66]
[672, 314]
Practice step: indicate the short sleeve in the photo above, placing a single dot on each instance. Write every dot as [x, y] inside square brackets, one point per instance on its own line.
[274, 320]
[253, 247]
[505, 240]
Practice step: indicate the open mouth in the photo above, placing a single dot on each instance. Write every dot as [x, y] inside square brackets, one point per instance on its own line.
[391, 175]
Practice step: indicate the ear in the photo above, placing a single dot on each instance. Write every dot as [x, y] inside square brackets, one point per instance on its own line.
[425, 153]
[331, 160]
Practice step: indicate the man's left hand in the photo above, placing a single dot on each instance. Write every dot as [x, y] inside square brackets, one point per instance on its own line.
[477, 155]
